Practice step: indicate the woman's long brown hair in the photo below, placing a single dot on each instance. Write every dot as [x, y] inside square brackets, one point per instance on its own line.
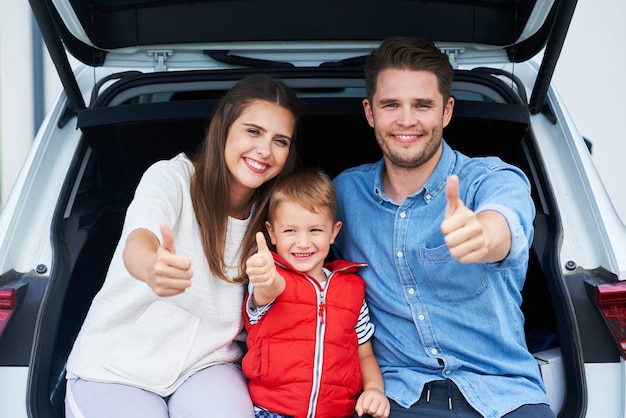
[210, 185]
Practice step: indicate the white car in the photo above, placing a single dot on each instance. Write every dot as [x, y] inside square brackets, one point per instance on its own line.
[151, 72]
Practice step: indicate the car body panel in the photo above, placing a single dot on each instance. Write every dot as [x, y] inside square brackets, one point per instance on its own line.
[606, 389]
[12, 396]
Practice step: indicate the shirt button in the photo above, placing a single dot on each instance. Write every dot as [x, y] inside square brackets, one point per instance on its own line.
[433, 350]
[428, 197]
[420, 317]
[399, 254]
[411, 291]
[448, 372]
[403, 215]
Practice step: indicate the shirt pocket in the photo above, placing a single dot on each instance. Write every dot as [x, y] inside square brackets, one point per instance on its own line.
[450, 280]
[154, 351]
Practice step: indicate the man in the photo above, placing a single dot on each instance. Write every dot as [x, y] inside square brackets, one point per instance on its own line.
[446, 238]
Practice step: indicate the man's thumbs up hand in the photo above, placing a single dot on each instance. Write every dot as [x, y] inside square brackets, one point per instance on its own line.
[462, 231]
[452, 196]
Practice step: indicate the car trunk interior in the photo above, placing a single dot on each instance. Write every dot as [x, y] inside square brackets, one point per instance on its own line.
[120, 142]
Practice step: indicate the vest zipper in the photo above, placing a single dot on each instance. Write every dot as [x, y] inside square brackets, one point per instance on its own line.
[318, 363]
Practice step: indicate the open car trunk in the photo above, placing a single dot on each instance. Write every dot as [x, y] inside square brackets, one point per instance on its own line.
[182, 56]
[166, 114]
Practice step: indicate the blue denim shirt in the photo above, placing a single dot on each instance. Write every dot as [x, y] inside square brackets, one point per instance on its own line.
[436, 318]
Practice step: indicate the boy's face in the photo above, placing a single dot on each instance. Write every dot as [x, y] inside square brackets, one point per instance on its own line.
[303, 238]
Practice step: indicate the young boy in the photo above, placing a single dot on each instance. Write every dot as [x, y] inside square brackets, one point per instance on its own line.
[309, 353]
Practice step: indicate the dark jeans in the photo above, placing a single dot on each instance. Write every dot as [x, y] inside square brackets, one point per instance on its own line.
[442, 397]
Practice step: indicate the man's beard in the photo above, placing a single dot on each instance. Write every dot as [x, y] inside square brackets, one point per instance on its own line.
[407, 159]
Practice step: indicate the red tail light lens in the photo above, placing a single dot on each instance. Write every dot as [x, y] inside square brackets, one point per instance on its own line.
[8, 298]
[611, 301]
[8, 302]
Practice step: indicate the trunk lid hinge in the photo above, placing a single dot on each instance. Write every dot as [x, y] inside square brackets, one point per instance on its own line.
[453, 54]
[160, 58]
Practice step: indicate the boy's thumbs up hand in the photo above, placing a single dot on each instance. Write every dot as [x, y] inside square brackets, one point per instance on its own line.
[260, 266]
[462, 231]
[261, 244]
[261, 271]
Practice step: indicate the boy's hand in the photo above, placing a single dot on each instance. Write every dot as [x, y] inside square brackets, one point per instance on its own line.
[261, 271]
[260, 267]
[373, 402]
[171, 273]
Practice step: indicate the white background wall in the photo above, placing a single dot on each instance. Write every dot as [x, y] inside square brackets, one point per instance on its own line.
[16, 89]
[589, 76]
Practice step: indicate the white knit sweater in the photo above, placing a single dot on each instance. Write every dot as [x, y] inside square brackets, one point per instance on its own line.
[134, 337]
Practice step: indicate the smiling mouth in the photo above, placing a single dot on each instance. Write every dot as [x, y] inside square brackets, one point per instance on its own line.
[407, 137]
[302, 255]
[255, 164]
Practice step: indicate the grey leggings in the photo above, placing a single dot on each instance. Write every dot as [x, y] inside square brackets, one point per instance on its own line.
[218, 391]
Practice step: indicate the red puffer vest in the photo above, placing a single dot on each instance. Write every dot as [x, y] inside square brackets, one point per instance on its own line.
[302, 357]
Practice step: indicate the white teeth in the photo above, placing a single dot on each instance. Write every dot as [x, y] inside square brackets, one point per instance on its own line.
[302, 254]
[256, 165]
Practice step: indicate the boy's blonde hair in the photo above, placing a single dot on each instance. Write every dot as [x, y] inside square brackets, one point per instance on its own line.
[310, 188]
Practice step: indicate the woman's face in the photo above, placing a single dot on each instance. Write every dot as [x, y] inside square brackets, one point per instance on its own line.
[257, 145]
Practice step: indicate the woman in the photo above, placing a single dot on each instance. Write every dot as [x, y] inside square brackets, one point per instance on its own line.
[161, 336]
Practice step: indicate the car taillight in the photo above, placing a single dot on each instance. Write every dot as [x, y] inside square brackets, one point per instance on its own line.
[611, 301]
[8, 303]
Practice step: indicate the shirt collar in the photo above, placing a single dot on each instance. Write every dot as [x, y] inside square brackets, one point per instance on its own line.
[434, 185]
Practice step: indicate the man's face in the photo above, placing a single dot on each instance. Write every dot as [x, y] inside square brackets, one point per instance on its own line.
[408, 116]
